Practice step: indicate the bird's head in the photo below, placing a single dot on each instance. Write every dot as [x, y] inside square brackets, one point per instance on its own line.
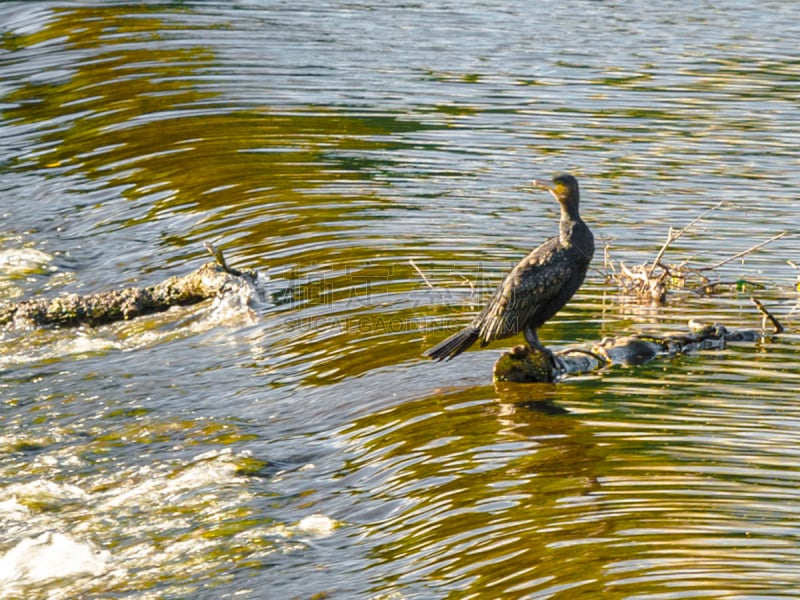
[564, 189]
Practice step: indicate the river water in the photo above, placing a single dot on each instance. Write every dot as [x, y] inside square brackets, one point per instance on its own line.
[346, 150]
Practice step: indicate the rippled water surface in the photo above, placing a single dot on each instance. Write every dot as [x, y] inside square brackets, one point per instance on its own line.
[372, 160]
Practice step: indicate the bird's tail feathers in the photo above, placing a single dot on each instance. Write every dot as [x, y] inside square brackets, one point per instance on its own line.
[454, 345]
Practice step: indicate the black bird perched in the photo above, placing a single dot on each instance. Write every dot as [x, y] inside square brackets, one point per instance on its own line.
[538, 287]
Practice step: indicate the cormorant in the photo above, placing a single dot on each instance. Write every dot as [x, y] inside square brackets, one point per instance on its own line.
[538, 287]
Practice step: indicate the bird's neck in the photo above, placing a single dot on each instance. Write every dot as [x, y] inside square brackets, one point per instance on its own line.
[574, 235]
[570, 222]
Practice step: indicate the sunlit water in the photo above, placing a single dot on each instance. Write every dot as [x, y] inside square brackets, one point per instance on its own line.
[308, 451]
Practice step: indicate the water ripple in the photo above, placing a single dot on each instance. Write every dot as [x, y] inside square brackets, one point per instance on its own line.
[374, 162]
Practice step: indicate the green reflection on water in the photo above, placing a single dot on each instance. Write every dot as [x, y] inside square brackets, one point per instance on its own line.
[144, 121]
[483, 484]
[293, 188]
[502, 493]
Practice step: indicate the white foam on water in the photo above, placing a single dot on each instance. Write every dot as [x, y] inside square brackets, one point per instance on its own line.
[43, 491]
[45, 345]
[12, 510]
[316, 525]
[21, 261]
[239, 304]
[162, 487]
[207, 485]
[49, 556]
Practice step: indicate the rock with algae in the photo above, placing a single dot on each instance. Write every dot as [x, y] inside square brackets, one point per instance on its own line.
[71, 310]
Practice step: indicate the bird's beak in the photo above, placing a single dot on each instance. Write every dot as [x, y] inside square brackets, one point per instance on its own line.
[543, 185]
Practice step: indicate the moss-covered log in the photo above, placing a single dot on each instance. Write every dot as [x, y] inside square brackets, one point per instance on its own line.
[71, 310]
[523, 365]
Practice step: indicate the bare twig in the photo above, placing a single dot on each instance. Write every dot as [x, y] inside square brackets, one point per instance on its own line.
[216, 252]
[797, 286]
[776, 326]
[740, 254]
[671, 237]
[421, 274]
[607, 261]
[468, 281]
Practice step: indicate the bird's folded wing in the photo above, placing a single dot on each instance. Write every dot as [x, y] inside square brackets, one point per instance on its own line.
[522, 293]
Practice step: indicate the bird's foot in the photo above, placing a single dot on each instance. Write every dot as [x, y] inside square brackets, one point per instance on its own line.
[539, 349]
[550, 356]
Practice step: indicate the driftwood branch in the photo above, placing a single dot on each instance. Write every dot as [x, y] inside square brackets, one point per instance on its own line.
[741, 254]
[673, 236]
[776, 326]
[71, 310]
[420, 273]
[651, 281]
[523, 365]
